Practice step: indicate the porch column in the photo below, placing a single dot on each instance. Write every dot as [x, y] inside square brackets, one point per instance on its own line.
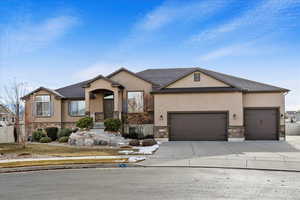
[87, 101]
[117, 112]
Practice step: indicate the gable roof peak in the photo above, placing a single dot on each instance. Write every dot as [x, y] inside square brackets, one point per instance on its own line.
[43, 88]
[130, 72]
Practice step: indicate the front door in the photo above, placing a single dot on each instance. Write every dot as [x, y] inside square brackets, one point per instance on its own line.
[108, 105]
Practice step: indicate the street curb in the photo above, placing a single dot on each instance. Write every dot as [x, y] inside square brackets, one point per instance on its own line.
[216, 167]
[63, 167]
[123, 165]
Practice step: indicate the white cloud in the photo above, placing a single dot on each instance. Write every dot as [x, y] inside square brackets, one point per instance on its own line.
[174, 11]
[95, 70]
[269, 15]
[234, 50]
[27, 36]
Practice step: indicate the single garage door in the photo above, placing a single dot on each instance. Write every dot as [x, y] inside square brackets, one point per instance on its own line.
[198, 126]
[261, 124]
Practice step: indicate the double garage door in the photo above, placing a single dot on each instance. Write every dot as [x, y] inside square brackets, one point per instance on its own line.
[260, 124]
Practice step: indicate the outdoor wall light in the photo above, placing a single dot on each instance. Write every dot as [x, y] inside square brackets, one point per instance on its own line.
[161, 117]
[281, 115]
[234, 116]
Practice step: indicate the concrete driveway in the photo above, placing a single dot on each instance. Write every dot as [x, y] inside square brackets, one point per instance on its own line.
[281, 155]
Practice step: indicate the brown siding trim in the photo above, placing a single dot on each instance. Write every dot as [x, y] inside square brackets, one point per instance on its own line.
[196, 90]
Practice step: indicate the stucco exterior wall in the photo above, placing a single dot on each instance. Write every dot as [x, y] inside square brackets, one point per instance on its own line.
[232, 102]
[265, 100]
[56, 103]
[66, 117]
[95, 103]
[133, 83]
[205, 81]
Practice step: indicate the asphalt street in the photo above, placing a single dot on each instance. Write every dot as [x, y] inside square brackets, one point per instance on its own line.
[149, 183]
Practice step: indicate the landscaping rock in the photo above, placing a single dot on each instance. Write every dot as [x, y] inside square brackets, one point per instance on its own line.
[134, 142]
[90, 138]
[148, 142]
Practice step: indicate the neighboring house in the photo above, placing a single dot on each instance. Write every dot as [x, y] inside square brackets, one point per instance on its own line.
[176, 103]
[6, 116]
[298, 116]
[290, 116]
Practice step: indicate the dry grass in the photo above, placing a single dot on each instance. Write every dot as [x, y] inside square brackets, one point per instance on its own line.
[57, 151]
[60, 162]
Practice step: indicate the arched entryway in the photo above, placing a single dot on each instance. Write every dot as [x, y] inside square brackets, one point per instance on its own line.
[102, 104]
[103, 99]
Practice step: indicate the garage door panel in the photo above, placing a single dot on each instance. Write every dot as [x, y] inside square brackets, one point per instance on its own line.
[198, 126]
[261, 124]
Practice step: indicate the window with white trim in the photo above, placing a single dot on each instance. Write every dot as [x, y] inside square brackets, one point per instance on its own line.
[135, 102]
[77, 108]
[43, 105]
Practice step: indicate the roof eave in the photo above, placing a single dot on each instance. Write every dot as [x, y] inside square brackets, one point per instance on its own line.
[130, 72]
[43, 88]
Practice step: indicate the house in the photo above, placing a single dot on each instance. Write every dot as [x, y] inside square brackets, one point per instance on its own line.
[290, 116]
[298, 116]
[7, 117]
[175, 103]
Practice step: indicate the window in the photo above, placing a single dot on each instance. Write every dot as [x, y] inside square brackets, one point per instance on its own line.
[135, 102]
[197, 76]
[43, 105]
[77, 108]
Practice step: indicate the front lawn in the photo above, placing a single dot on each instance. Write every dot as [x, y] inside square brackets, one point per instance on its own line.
[60, 162]
[46, 150]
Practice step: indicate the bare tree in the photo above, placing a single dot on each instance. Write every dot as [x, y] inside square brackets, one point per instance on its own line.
[11, 97]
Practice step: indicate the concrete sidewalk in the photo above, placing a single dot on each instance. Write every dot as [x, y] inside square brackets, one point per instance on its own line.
[273, 155]
[226, 163]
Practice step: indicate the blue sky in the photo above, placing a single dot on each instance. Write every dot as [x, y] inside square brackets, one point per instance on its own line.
[54, 43]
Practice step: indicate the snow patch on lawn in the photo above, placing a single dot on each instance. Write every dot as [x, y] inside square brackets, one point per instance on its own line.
[141, 150]
[134, 159]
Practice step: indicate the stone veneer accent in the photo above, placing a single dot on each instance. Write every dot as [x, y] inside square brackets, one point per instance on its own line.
[236, 133]
[29, 128]
[116, 114]
[282, 132]
[161, 132]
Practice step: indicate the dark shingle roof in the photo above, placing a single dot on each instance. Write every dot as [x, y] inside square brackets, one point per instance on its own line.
[73, 91]
[165, 77]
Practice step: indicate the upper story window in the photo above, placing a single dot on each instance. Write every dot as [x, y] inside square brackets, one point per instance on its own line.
[43, 105]
[197, 76]
[77, 108]
[135, 102]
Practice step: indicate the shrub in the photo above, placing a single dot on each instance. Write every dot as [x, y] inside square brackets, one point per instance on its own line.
[149, 137]
[133, 135]
[112, 124]
[148, 142]
[63, 139]
[52, 132]
[86, 122]
[37, 135]
[125, 135]
[64, 132]
[45, 139]
[134, 142]
[74, 130]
